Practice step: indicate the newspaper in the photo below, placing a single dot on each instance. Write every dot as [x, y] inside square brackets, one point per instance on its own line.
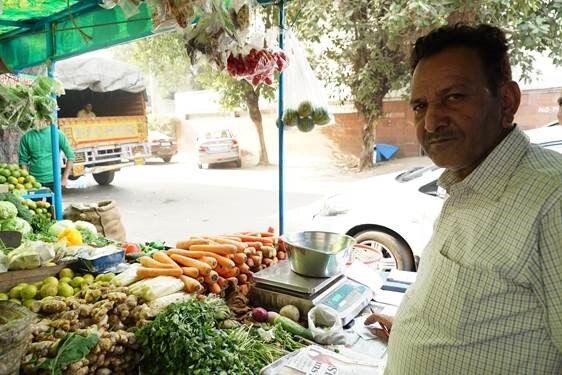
[315, 360]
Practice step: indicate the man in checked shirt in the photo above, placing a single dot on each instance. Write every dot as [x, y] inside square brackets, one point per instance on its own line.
[488, 295]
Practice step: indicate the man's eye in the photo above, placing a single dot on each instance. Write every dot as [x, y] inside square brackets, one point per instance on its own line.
[455, 97]
[418, 107]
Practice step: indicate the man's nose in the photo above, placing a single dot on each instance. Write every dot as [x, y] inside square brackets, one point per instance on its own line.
[435, 117]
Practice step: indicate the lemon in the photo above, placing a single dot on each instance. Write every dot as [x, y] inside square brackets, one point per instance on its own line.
[65, 280]
[21, 180]
[66, 272]
[88, 278]
[4, 297]
[50, 280]
[28, 292]
[13, 300]
[106, 276]
[65, 290]
[77, 282]
[28, 302]
[15, 292]
[49, 290]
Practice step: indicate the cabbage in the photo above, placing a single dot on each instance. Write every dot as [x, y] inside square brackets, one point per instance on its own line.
[31, 254]
[7, 210]
[17, 224]
[156, 287]
[59, 226]
[85, 226]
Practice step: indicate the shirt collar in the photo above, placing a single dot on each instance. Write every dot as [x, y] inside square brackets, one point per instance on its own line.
[490, 178]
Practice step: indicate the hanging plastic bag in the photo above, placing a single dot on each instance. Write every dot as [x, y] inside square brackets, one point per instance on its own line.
[129, 7]
[305, 98]
[326, 325]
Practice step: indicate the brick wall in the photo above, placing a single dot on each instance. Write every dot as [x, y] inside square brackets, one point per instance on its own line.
[538, 107]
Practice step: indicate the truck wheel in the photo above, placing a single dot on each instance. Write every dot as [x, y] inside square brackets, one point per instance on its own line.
[104, 178]
[167, 159]
[239, 163]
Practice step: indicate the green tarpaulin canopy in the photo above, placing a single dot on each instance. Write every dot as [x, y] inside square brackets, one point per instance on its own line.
[35, 31]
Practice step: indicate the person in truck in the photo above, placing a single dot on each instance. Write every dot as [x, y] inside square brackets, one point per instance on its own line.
[86, 112]
[488, 294]
[35, 155]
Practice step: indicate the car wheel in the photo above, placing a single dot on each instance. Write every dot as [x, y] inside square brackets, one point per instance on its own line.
[104, 178]
[167, 159]
[396, 253]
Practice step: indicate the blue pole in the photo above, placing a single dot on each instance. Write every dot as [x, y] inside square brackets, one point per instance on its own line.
[56, 155]
[281, 133]
[55, 148]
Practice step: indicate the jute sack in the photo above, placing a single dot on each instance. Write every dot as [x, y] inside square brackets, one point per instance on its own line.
[104, 215]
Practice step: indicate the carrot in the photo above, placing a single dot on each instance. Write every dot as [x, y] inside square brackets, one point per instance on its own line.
[148, 262]
[185, 245]
[217, 249]
[221, 281]
[212, 277]
[153, 272]
[281, 255]
[239, 258]
[264, 241]
[250, 262]
[201, 254]
[256, 245]
[257, 259]
[215, 288]
[228, 272]
[162, 257]
[267, 234]
[204, 268]
[209, 260]
[244, 268]
[231, 237]
[242, 279]
[201, 279]
[268, 251]
[190, 271]
[191, 285]
[240, 246]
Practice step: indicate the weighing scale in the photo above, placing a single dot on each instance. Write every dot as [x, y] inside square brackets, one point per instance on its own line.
[278, 286]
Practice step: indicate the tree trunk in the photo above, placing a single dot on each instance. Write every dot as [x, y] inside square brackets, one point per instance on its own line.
[9, 144]
[252, 101]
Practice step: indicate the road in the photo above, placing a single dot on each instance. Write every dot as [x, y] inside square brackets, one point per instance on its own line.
[169, 202]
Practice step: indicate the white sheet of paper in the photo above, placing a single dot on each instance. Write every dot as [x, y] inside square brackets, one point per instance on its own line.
[365, 275]
[389, 297]
[402, 276]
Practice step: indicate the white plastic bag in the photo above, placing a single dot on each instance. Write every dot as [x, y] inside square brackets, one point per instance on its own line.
[305, 98]
[325, 325]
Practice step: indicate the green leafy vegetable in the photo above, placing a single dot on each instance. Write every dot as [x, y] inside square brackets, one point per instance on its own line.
[23, 211]
[71, 348]
[187, 339]
[94, 239]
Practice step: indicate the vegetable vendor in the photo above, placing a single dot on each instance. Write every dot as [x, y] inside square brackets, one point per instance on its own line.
[86, 112]
[488, 294]
[35, 155]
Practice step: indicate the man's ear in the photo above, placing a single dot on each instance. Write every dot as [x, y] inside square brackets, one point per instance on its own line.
[510, 100]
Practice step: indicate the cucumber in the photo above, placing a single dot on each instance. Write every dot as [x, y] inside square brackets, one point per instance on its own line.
[293, 327]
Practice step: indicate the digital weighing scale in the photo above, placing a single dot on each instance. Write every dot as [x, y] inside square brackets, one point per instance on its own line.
[278, 286]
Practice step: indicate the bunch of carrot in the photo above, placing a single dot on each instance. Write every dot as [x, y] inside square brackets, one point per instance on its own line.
[213, 263]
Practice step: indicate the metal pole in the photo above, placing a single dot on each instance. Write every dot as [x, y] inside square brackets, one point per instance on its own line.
[280, 125]
[55, 148]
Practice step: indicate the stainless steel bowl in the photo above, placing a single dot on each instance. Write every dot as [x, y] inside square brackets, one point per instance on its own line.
[317, 254]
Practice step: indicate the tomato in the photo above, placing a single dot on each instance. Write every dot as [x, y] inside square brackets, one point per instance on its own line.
[131, 248]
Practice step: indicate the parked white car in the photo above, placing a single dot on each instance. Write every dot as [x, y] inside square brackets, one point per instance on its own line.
[218, 146]
[394, 213]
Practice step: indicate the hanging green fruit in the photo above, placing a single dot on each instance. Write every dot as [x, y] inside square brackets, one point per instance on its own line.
[305, 109]
[290, 117]
[320, 116]
[305, 124]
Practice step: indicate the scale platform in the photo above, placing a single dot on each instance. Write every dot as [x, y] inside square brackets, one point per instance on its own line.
[278, 286]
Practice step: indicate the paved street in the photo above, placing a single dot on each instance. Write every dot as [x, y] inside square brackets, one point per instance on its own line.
[171, 201]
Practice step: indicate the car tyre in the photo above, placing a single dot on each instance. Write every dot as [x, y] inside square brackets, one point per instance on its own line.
[104, 178]
[167, 159]
[398, 249]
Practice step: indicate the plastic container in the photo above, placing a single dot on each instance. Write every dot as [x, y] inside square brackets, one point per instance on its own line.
[15, 336]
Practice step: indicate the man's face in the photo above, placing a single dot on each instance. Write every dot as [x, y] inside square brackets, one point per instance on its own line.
[88, 107]
[458, 120]
[560, 110]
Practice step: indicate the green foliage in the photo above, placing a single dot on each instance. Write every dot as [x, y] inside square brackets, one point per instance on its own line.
[163, 124]
[29, 106]
[71, 348]
[369, 41]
